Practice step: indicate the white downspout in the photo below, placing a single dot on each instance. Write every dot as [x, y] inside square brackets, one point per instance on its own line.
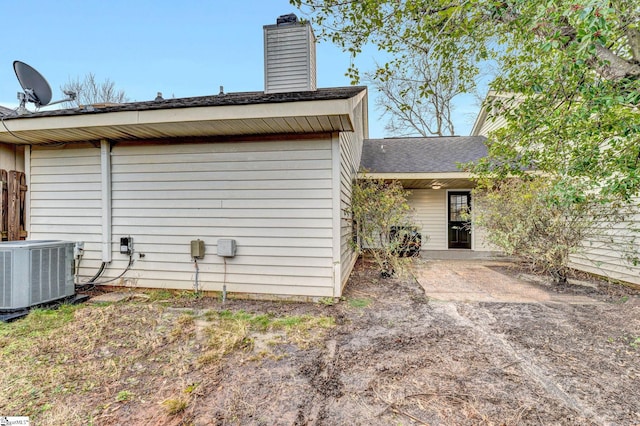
[27, 198]
[105, 171]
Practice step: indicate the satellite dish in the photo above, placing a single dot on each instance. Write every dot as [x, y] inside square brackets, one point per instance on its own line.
[36, 88]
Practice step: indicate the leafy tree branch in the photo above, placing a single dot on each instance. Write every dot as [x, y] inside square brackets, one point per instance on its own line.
[572, 67]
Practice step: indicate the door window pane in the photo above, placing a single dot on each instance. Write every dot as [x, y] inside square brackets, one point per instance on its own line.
[458, 205]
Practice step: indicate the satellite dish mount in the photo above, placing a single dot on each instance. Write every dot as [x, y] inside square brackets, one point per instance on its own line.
[36, 88]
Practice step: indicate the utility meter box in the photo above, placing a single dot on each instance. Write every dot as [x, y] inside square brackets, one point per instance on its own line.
[197, 249]
[226, 248]
[126, 245]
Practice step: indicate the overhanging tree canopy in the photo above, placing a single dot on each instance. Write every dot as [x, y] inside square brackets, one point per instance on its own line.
[573, 66]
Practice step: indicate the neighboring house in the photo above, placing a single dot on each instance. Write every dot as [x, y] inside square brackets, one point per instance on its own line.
[11, 156]
[606, 254]
[271, 170]
[11, 188]
[439, 190]
[490, 117]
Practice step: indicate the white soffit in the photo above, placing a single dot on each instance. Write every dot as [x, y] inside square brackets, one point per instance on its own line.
[253, 119]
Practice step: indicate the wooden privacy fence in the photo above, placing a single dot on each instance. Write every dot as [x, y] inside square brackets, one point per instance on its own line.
[12, 211]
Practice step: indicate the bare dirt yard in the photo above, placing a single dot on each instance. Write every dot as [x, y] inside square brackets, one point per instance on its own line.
[385, 354]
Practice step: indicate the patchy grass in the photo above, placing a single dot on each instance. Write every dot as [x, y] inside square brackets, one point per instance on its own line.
[175, 406]
[232, 331]
[39, 323]
[224, 337]
[328, 301]
[158, 295]
[78, 365]
[124, 395]
[359, 303]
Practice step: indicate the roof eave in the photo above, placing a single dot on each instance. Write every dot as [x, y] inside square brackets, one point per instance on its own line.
[313, 116]
[415, 175]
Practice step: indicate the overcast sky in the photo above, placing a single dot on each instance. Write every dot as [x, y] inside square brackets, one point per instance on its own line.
[180, 48]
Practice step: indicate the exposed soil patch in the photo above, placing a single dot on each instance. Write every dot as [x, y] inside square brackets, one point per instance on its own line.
[579, 283]
[404, 359]
[392, 356]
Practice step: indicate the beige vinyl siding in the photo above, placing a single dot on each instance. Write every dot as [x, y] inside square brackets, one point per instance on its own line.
[607, 253]
[350, 151]
[430, 210]
[273, 198]
[350, 155]
[65, 199]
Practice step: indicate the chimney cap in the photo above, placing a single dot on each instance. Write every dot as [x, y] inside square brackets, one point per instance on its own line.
[289, 19]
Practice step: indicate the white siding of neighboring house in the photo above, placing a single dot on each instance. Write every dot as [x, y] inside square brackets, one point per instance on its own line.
[491, 124]
[490, 117]
[606, 254]
[274, 198]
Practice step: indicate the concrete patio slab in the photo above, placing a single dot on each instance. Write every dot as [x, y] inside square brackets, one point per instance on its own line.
[476, 281]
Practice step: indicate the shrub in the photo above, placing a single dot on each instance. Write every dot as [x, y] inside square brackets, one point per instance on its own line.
[544, 220]
[383, 223]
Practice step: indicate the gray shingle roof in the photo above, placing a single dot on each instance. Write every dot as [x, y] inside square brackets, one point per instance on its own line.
[239, 98]
[421, 155]
[5, 111]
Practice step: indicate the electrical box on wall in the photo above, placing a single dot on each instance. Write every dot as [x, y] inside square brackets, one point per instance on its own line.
[197, 249]
[126, 245]
[226, 248]
[78, 249]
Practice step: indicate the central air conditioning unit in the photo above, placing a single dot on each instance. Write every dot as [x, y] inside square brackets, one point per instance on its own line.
[35, 272]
